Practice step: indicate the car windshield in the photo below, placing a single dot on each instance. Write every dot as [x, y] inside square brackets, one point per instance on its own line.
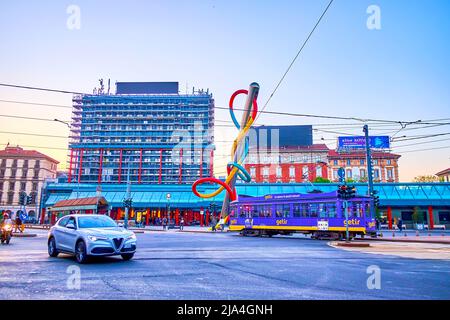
[96, 222]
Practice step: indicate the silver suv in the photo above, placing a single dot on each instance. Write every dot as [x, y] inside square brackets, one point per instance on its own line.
[87, 235]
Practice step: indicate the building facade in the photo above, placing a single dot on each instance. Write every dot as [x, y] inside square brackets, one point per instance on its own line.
[23, 170]
[384, 164]
[292, 164]
[147, 130]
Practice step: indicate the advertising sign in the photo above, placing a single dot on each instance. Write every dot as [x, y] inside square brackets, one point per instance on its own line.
[359, 142]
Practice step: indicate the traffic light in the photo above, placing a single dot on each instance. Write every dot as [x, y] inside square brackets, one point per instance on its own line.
[22, 198]
[351, 192]
[29, 199]
[342, 192]
[376, 198]
[128, 203]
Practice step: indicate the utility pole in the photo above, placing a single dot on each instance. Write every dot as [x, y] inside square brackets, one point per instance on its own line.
[369, 169]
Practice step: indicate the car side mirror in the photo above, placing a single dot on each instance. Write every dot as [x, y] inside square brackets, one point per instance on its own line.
[70, 226]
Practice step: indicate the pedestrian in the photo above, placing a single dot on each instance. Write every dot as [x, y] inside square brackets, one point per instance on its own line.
[164, 223]
[213, 224]
[181, 223]
[400, 225]
[18, 224]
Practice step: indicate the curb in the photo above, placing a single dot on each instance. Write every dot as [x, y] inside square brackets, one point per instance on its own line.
[407, 240]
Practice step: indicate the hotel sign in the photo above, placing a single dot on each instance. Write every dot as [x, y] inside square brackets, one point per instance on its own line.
[359, 142]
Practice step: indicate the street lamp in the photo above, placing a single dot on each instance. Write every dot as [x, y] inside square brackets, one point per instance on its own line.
[168, 207]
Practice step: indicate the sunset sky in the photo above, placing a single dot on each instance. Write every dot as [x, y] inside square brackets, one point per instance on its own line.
[400, 72]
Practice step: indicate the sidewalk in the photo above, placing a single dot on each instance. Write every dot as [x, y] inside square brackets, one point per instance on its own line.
[194, 229]
[424, 237]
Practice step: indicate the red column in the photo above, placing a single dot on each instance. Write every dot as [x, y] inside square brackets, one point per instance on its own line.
[42, 216]
[140, 167]
[207, 217]
[120, 165]
[201, 218]
[100, 167]
[211, 163]
[430, 218]
[160, 166]
[177, 216]
[389, 217]
[80, 167]
[181, 165]
[69, 179]
[147, 217]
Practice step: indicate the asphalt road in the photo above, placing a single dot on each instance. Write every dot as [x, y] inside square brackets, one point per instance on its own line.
[174, 265]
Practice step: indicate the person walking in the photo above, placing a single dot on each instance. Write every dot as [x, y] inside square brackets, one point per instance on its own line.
[164, 223]
[18, 223]
[181, 224]
[213, 224]
[400, 225]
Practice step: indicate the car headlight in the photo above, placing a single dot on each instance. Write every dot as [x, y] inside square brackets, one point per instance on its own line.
[132, 237]
[96, 238]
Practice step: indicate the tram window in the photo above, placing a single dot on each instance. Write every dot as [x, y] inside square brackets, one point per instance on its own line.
[296, 210]
[305, 210]
[255, 210]
[313, 210]
[241, 212]
[331, 210]
[322, 210]
[367, 208]
[279, 210]
[268, 211]
[286, 210]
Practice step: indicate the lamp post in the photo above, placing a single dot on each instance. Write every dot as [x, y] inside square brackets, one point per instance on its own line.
[168, 195]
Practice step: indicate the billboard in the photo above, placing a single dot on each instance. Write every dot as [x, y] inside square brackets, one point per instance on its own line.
[281, 136]
[359, 142]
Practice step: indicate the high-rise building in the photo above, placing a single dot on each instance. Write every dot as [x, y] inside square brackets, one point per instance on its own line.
[147, 130]
[23, 171]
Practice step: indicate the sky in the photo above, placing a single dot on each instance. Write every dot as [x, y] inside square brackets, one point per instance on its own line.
[398, 72]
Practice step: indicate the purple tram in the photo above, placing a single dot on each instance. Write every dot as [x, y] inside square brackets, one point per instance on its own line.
[320, 214]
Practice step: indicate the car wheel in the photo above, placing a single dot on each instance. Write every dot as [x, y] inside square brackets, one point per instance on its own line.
[52, 252]
[80, 252]
[127, 256]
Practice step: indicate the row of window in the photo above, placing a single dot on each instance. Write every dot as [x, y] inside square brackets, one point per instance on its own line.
[25, 163]
[292, 171]
[10, 198]
[362, 162]
[270, 159]
[23, 185]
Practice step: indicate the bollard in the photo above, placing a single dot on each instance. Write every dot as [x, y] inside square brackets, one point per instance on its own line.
[417, 233]
[393, 234]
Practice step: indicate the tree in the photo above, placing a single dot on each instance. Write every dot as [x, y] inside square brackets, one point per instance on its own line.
[426, 178]
[321, 180]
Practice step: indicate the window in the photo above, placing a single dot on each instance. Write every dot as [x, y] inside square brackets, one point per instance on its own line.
[253, 171]
[24, 172]
[12, 185]
[37, 164]
[25, 163]
[14, 164]
[349, 162]
[388, 162]
[10, 197]
[36, 174]
[265, 171]
[292, 171]
[362, 173]
[319, 171]
[283, 210]
[376, 174]
[305, 172]
[361, 162]
[63, 221]
[296, 210]
[279, 174]
[335, 162]
[23, 185]
[13, 173]
[349, 173]
[35, 186]
[375, 162]
[390, 174]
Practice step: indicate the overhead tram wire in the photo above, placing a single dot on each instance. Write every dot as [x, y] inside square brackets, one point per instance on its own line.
[290, 114]
[295, 58]
[419, 143]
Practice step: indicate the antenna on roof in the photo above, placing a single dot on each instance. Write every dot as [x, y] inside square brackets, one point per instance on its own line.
[109, 85]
